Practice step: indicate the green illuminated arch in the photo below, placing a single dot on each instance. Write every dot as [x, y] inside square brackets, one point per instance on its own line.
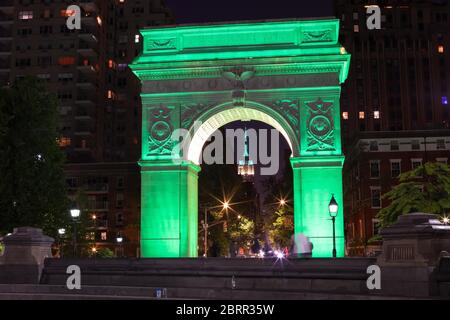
[285, 73]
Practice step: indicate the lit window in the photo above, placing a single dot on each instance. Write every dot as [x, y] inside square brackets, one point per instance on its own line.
[65, 61]
[136, 38]
[103, 236]
[441, 49]
[356, 28]
[110, 64]
[67, 13]
[343, 51]
[355, 16]
[99, 21]
[110, 94]
[345, 115]
[440, 144]
[444, 100]
[376, 114]
[122, 1]
[64, 142]
[26, 15]
[362, 115]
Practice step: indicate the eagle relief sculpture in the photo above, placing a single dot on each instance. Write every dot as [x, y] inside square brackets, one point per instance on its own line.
[238, 76]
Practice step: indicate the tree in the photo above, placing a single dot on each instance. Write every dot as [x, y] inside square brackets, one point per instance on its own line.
[32, 185]
[281, 227]
[424, 189]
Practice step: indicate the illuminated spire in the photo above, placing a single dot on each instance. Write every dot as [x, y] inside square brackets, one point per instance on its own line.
[246, 168]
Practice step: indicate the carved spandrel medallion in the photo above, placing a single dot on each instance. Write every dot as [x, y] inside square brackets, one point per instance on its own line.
[160, 131]
[320, 126]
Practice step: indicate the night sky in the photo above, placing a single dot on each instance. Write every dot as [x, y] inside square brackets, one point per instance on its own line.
[198, 11]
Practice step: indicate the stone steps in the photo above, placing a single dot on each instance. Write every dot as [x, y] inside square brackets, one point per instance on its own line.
[56, 292]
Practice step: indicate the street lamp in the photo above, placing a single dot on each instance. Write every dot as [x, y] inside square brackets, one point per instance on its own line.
[75, 213]
[282, 202]
[119, 240]
[333, 210]
[61, 233]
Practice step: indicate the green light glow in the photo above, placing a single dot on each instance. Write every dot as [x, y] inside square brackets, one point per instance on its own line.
[181, 70]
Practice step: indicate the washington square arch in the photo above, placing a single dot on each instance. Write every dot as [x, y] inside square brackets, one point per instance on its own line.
[286, 74]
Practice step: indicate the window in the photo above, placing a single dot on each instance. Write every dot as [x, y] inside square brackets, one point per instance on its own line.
[376, 114]
[394, 145]
[64, 142]
[119, 200]
[444, 100]
[356, 28]
[46, 14]
[136, 38]
[362, 115]
[374, 169]
[25, 15]
[345, 115]
[415, 163]
[65, 77]
[66, 61]
[441, 49]
[44, 61]
[120, 182]
[90, 236]
[45, 29]
[103, 236]
[373, 146]
[415, 145]
[119, 218]
[395, 168]
[375, 194]
[440, 144]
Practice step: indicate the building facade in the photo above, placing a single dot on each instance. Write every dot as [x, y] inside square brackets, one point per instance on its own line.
[98, 96]
[394, 105]
[373, 165]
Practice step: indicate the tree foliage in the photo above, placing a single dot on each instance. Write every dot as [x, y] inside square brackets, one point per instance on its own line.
[424, 189]
[31, 163]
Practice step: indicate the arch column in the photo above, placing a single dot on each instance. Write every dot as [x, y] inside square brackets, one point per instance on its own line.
[315, 180]
[169, 201]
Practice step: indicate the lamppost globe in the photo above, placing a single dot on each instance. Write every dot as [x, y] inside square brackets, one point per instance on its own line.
[333, 207]
[61, 231]
[119, 239]
[446, 220]
[282, 202]
[75, 213]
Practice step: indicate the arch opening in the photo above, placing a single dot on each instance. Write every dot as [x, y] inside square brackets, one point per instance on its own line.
[224, 114]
